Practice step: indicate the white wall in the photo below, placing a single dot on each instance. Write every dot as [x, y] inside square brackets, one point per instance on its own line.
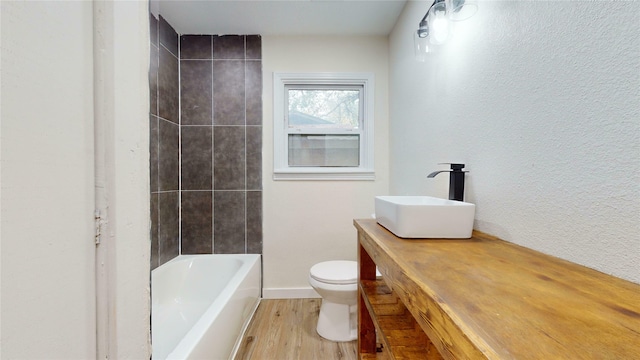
[48, 306]
[541, 101]
[126, 126]
[306, 222]
[48, 182]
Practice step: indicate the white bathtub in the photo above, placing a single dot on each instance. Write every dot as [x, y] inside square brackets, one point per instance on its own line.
[201, 304]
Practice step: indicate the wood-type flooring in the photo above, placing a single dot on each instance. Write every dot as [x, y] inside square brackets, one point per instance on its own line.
[286, 330]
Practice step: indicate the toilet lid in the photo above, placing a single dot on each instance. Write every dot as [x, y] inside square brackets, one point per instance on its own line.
[335, 272]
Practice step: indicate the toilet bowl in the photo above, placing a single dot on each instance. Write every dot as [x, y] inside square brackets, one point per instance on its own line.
[336, 282]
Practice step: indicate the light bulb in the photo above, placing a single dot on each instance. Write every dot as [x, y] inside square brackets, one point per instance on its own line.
[440, 31]
[438, 23]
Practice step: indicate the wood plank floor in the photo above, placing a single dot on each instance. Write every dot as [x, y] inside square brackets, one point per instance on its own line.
[286, 330]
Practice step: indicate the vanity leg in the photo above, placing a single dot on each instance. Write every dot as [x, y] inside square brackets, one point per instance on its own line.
[366, 328]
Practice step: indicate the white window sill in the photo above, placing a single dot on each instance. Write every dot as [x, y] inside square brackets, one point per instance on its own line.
[359, 175]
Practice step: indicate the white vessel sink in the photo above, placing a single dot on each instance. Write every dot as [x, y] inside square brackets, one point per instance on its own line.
[425, 217]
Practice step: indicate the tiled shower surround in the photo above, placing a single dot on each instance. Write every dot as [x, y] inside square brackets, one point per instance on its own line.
[206, 143]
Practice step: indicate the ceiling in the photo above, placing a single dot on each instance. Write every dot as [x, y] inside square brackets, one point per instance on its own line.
[285, 17]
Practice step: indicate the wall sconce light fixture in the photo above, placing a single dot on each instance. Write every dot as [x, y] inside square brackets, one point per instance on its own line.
[434, 28]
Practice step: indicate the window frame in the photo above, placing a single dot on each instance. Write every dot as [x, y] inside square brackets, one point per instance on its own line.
[281, 131]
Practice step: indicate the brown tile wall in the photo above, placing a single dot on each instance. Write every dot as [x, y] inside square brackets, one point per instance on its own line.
[205, 143]
[221, 132]
[164, 142]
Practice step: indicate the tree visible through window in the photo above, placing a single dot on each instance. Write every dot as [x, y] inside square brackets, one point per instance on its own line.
[324, 126]
[324, 108]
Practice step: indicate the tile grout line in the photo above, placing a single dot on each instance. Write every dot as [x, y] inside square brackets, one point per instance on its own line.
[246, 209]
[158, 143]
[212, 119]
[179, 148]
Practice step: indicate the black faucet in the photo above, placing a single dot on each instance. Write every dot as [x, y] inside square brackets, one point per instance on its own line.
[456, 180]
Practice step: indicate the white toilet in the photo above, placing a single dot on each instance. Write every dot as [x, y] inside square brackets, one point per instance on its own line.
[336, 282]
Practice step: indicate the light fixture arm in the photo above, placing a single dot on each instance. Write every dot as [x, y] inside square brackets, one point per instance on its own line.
[423, 27]
[424, 18]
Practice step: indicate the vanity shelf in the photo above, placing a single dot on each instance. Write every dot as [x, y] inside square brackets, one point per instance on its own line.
[397, 331]
[484, 298]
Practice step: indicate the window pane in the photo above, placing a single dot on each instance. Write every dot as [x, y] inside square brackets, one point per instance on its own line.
[317, 108]
[324, 150]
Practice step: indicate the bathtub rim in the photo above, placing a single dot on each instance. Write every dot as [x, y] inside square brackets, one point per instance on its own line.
[199, 327]
[243, 331]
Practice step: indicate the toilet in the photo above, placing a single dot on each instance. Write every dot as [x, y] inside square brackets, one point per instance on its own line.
[336, 282]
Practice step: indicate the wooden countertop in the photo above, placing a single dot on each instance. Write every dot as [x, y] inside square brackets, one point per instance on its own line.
[485, 298]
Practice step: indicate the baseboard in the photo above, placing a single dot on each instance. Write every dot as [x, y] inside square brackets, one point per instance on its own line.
[289, 293]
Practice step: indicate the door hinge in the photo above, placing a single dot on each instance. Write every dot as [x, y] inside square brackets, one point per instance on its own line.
[98, 225]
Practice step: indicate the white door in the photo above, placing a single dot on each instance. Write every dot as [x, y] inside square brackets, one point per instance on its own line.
[47, 181]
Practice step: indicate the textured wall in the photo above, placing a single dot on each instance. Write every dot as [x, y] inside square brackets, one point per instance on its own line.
[541, 101]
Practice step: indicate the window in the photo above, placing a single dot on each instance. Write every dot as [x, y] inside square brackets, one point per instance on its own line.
[323, 126]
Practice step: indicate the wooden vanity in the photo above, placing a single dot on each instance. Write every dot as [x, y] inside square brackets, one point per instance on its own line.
[484, 298]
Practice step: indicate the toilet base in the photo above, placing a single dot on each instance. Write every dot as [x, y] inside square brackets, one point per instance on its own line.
[337, 322]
